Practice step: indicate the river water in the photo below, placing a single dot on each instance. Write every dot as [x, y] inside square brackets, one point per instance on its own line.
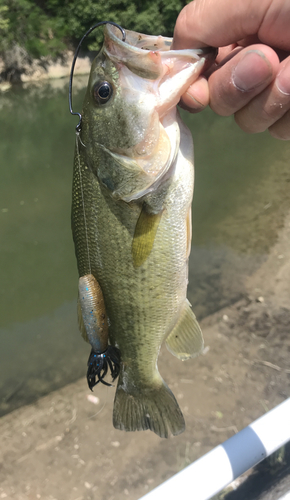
[241, 196]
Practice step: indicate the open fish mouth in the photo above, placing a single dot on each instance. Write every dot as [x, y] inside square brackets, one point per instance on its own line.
[151, 58]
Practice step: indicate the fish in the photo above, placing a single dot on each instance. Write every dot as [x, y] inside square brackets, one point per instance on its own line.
[131, 221]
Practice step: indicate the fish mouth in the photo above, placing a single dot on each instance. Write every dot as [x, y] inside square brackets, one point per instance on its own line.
[152, 79]
[166, 73]
[140, 51]
[139, 42]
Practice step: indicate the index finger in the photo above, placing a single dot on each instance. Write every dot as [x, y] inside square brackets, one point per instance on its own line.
[208, 22]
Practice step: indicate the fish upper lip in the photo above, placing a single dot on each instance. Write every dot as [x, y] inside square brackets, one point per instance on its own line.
[167, 42]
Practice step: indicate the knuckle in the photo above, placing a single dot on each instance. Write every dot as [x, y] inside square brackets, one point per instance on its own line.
[225, 99]
[279, 135]
[265, 111]
[281, 129]
[222, 101]
[246, 124]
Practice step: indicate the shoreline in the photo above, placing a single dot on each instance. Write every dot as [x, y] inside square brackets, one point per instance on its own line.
[46, 69]
[65, 447]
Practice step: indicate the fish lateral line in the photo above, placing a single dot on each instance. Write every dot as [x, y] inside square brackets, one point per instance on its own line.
[78, 138]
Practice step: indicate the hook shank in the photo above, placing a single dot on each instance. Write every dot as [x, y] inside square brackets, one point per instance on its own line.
[79, 125]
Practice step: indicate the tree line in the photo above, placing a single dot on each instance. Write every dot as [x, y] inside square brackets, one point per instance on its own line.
[48, 27]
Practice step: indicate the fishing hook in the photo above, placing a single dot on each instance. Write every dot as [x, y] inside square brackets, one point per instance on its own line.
[99, 363]
[79, 125]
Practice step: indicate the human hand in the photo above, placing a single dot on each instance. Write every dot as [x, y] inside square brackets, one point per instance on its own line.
[251, 77]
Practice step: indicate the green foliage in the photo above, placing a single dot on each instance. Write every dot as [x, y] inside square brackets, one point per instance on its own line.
[27, 25]
[4, 22]
[46, 27]
[146, 17]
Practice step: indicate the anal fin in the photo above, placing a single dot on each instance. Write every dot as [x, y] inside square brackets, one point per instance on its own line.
[185, 340]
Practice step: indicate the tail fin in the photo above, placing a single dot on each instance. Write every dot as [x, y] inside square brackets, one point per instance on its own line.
[153, 408]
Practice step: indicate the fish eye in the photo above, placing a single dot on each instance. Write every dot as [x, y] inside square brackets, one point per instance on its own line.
[102, 92]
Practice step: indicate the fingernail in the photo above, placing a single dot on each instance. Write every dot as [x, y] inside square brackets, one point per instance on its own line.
[194, 103]
[251, 71]
[283, 80]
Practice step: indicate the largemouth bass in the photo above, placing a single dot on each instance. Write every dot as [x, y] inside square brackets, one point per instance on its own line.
[131, 220]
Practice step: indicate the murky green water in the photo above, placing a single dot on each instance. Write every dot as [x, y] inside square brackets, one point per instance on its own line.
[242, 192]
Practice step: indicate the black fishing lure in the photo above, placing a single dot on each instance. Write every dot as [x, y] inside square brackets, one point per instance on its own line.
[98, 365]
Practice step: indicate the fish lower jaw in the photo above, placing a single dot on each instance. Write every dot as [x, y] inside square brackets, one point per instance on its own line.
[180, 77]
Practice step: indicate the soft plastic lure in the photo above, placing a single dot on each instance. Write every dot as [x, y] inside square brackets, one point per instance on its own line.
[95, 327]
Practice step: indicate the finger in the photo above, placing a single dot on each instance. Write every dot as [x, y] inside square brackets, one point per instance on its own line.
[243, 77]
[196, 97]
[269, 107]
[203, 23]
[226, 53]
[281, 129]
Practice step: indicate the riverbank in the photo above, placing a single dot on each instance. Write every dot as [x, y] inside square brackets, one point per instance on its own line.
[64, 446]
[38, 70]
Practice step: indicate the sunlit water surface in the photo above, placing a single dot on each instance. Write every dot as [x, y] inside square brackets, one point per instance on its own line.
[241, 195]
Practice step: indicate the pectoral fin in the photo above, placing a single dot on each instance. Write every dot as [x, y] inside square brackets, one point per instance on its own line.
[185, 340]
[144, 236]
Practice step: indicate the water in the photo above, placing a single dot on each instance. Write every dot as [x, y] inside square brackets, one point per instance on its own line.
[240, 199]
